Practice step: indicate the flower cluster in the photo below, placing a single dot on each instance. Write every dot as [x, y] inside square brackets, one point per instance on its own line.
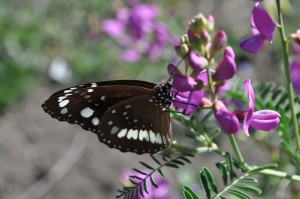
[137, 29]
[200, 53]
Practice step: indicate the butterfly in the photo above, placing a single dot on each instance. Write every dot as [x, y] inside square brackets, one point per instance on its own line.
[129, 115]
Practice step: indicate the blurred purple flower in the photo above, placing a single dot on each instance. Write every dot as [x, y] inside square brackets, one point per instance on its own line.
[264, 120]
[137, 29]
[263, 29]
[295, 75]
[162, 192]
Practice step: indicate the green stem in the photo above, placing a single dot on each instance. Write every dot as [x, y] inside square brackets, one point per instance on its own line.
[236, 149]
[210, 85]
[285, 49]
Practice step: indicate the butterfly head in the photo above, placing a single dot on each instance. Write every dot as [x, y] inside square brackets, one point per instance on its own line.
[163, 95]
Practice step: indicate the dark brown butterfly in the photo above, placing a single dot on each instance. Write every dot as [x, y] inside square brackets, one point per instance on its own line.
[129, 115]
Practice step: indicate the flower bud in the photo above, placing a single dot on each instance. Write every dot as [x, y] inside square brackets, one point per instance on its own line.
[184, 49]
[218, 43]
[198, 23]
[196, 61]
[205, 37]
[228, 122]
[296, 37]
[210, 23]
[205, 103]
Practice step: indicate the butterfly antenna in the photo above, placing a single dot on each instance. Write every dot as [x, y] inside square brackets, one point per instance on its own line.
[176, 67]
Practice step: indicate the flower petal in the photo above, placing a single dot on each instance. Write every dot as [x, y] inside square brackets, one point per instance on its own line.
[227, 121]
[196, 61]
[249, 90]
[265, 120]
[225, 69]
[252, 44]
[263, 22]
[295, 76]
[113, 27]
[183, 83]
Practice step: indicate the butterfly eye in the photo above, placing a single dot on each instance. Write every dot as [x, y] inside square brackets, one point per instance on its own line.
[129, 115]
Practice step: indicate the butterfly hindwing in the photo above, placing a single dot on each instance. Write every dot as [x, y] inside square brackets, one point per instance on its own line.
[136, 125]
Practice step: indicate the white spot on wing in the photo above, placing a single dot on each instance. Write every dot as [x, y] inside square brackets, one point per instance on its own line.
[86, 112]
[95, 121]
[94, 85]
[110, 123]
[114, 130]
[90, 90]
[164, 139]
[133, 134]
[63, 103]
[152, 137]
[158, 138]
[103, 98]
[122, 134]
[113, 111]
[128, 106]
[64, 111]
[67, 91]
[143, 135]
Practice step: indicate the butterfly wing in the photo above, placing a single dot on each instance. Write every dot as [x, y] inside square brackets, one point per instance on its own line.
[86, 105]
[136, 125]
[136, 83]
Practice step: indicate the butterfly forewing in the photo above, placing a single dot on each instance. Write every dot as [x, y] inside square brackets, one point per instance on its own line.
[129, 115]
[137, 125]
[85, 106]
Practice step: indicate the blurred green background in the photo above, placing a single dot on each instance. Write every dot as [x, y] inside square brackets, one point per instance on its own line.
[36, 33]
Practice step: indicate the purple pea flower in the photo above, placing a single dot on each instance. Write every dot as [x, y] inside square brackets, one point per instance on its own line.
[227, 120]
[295, 75]
[263, 29]
[226, 67]
[265, 120]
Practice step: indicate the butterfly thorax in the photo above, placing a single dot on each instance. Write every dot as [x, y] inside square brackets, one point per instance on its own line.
[163, 95]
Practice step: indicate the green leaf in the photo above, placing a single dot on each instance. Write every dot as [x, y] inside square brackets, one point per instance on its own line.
[266, 166]
[138, 171]
[145, 187]
[205, 184]
[161, 173]
[190, 192]
[133, 182]
[229, 166]
[172, 165]
[213, 132]
[177, 162]
[146, 165]
[210, 180]
[128, 188]
[155, 160]
[248, 180]
[185, 159]
[187, 195]
[249, 188]
[239, 194]
[141, 190]
[223, 171]
[136, 177]
[153, 182]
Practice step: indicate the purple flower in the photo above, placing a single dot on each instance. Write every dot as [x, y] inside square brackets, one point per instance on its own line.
[295, 75]
[162, 192]
[196, 61]
[227, 120]
[226, 67]
[263, 29]
[264, 120]
[137, 30]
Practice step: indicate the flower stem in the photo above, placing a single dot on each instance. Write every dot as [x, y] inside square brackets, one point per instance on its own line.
[285, 49]
[210, 85]
[236, 149]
